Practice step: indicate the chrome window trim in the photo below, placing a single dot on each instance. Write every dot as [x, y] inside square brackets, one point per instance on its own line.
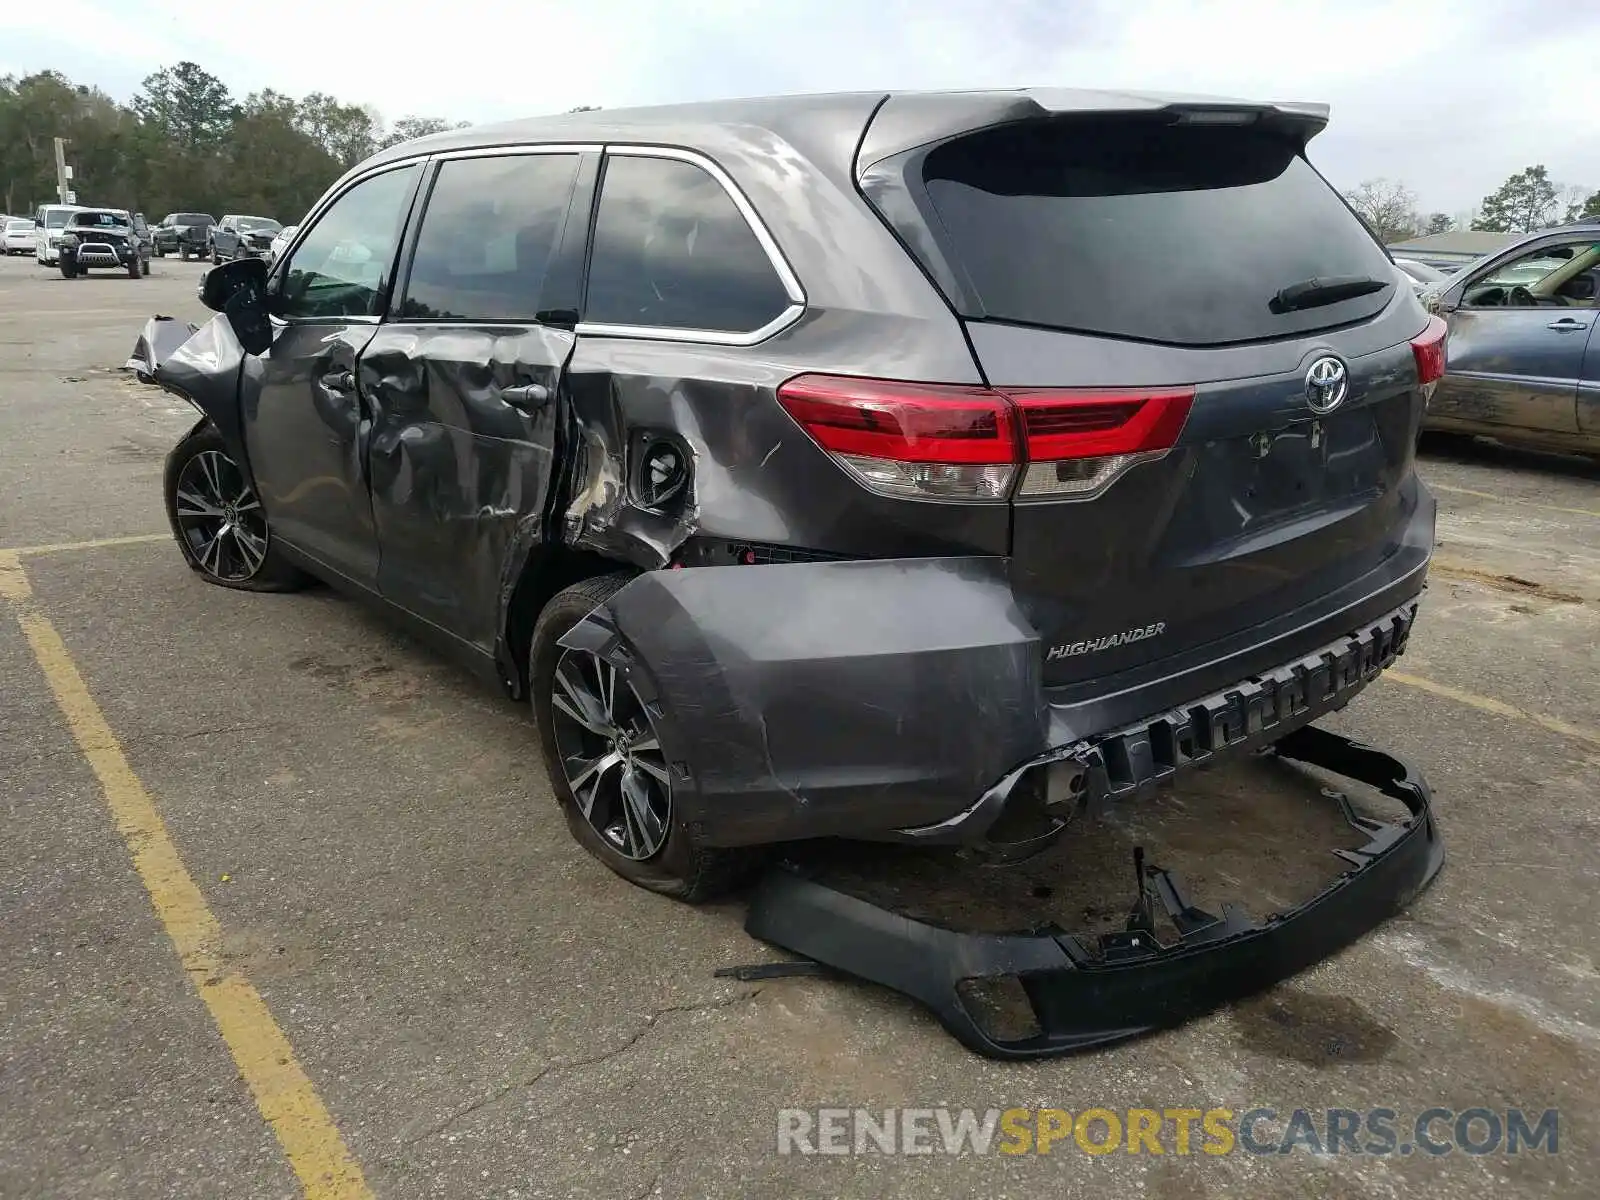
[768, 244]
[511, 151]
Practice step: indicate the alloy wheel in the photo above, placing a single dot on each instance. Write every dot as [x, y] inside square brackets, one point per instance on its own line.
[220, 517]
[611, 755]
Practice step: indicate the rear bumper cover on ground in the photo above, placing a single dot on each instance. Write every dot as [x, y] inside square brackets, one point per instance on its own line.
[1084, 993]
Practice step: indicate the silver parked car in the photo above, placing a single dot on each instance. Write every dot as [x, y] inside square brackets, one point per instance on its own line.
[1523, 360]
[280, 243]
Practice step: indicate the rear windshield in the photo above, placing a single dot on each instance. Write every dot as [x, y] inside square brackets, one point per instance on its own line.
[1160, 232]
[192, 219]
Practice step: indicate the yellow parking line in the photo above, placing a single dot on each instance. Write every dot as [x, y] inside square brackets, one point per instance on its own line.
[1515, 503]
[1489, 704]
[96, 544]
[283, 1093]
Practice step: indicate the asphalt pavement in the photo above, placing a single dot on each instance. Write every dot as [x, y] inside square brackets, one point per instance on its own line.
[287, 908]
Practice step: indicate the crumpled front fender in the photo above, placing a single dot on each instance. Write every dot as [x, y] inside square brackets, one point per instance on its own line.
[199, 364]
[830, 698]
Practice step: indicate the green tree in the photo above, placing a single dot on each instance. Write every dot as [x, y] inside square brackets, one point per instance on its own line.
[1439, 223]
[187, 104]
[348, 132]
[1525, 202]
[183, 144]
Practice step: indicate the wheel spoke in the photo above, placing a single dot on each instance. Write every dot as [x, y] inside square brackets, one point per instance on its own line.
[655, 770]
[191, 505]
[592, 773]
[208, 466]
[607, 675]
[574, 699]
[646, 744]
[253, 549]
[646, 823]
[210, 554]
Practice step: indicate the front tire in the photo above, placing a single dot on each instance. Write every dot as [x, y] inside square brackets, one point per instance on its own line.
[607, 764]
[216, 259]
[218, 521]
[68, 270]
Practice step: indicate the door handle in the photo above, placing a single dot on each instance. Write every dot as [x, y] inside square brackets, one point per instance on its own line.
[1566, 324]
[525, 395]
[339, 381]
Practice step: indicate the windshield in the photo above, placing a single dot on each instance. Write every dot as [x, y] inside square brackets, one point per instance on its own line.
[99, 220]
[56, 219]
[259, 224]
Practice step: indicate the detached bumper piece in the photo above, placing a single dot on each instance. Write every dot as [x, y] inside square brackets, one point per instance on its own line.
[1086, 992]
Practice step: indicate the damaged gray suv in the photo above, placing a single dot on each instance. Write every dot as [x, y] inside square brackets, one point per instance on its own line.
[919, 467]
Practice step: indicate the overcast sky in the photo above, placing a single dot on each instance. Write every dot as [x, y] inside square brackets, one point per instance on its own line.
[1450, 96]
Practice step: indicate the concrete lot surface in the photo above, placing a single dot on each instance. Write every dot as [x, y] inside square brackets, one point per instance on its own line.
[286, 906]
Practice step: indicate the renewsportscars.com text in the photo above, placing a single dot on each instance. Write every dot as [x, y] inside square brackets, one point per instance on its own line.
[1214, 1131]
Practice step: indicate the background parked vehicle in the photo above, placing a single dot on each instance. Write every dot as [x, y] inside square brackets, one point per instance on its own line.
[48, 222]
[242, 237]
[185, 234]
[1523, 362]
[280, 243]
[1420, 274]
[102, 239]
[18, 235]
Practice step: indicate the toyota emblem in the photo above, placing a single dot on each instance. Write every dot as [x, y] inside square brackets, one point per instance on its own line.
[1327, 384]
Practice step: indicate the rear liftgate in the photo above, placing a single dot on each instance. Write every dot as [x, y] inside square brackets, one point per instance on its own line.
[1090, 992]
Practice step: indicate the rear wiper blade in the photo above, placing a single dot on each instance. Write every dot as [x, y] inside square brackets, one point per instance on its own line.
[1313, 293]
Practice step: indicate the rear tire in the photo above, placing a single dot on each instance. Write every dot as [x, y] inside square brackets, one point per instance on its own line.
[217, 520]
[646, 842]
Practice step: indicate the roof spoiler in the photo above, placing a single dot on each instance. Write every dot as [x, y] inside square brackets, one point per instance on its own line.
[910, 120]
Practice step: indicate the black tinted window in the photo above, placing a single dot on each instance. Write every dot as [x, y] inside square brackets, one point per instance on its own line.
[1170, 233]
[487, 237]
[672, 250]
[341, 267]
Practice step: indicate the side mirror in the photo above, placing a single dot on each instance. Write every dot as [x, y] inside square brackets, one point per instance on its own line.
[238, 290]
[220, 285]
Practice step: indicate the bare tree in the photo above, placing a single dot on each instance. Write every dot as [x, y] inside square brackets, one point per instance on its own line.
[1388, 207]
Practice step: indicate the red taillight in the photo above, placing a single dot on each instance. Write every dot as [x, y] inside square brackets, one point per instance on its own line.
[1428, 347]
[1087, 423]
[909, 422]
[944, 441]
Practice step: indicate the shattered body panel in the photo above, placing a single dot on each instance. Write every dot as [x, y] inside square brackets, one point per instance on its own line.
[201, 365]
[1085, 992]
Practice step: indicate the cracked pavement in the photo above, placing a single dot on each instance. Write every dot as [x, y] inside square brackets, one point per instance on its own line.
[487, 1012]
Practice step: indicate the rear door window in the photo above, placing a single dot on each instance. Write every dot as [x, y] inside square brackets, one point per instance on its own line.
[1134, 229]
[491, 228]
[673, 251]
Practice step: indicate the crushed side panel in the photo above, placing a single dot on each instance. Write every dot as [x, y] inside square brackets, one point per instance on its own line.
[814, 699]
